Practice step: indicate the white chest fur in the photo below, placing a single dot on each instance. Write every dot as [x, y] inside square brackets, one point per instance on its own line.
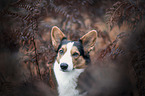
[67, 81]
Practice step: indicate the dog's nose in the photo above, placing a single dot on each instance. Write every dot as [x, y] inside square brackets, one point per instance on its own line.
[63, 66]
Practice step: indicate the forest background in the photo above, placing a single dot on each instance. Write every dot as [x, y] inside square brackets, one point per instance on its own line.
[27, 55]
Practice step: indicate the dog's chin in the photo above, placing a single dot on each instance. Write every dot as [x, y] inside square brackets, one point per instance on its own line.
[65, 70]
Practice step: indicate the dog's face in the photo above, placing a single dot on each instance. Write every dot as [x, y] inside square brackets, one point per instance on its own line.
[72, 54]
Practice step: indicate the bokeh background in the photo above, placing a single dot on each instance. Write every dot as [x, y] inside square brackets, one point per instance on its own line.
[27, 55]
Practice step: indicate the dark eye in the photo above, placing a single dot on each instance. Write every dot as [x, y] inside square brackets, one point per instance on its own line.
[61, 51]
[75, 54]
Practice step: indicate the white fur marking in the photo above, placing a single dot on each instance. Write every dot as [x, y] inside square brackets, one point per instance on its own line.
[67, 81]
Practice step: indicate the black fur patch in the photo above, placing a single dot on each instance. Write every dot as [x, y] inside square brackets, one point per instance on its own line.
[80, 47]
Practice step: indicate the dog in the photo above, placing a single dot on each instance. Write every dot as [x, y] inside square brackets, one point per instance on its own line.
[71, 60]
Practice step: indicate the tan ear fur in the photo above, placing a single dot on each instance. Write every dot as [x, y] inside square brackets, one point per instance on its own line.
[56, 36]
[88, 40]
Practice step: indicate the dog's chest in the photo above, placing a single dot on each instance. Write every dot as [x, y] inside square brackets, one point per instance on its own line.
[67, 81]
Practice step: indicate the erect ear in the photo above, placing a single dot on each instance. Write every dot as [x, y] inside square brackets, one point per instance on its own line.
[56, 36]
[88, 40]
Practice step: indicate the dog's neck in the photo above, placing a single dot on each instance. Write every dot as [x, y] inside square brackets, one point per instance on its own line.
[67, 81]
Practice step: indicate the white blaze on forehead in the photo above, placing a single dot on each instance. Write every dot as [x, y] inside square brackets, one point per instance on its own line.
[69, 46]
[67, 58]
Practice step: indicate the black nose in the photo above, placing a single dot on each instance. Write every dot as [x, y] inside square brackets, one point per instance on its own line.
[63, 66]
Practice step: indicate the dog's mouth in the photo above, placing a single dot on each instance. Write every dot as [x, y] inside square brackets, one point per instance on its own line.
[66, 70]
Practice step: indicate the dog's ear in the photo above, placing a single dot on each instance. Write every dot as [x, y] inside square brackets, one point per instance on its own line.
[88, 40]
[56, 36]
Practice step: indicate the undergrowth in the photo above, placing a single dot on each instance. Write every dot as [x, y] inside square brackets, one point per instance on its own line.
[25, 32]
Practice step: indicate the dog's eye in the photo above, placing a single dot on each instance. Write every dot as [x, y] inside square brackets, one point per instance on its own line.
[61, 51]
[75, 54]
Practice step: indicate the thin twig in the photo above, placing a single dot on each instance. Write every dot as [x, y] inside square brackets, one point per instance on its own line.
[38, 68]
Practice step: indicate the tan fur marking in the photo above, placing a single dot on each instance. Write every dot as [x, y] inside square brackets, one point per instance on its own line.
[60, 55]
[75, 49]
[79, 61]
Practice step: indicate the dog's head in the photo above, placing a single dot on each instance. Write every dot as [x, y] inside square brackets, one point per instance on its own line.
[72, 54]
